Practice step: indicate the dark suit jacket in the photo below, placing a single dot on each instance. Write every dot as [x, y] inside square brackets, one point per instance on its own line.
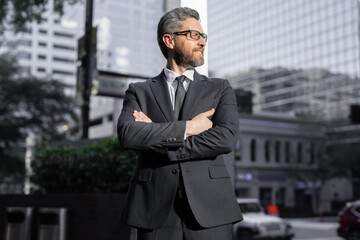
[199, 158]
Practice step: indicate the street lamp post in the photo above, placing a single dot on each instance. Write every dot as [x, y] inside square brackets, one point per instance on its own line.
[86, 63]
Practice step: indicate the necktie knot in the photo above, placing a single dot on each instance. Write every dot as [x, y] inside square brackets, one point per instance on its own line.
[180, 79]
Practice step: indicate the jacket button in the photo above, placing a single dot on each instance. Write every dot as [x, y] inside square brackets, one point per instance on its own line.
[175, 171]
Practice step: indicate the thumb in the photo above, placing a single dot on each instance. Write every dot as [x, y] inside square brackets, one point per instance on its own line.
[209, 113]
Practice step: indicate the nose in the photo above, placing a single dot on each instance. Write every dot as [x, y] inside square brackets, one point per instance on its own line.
[201, 42]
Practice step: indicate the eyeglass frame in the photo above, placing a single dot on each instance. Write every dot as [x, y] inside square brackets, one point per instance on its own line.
[186, 32]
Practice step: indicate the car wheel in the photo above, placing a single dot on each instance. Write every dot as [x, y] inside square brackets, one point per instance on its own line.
[244, 235]
[353, 235]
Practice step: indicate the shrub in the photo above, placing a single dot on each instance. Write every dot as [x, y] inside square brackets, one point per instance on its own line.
[99, 167]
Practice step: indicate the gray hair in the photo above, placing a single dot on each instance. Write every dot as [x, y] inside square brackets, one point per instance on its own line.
[171, 22]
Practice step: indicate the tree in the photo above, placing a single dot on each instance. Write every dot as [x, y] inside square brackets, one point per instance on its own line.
[100, 167]
[30, 105]
[332, 161]
[17, 13]
[346, 159]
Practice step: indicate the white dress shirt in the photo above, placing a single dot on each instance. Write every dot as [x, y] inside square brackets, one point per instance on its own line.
[172, 85]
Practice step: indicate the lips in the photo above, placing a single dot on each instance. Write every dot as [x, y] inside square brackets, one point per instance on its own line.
[199, 50]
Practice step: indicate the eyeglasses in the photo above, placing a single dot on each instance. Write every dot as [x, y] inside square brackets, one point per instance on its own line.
[193, 34]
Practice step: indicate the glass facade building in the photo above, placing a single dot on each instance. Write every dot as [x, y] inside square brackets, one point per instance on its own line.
[127, 36]
[48, 50]
[295, 56]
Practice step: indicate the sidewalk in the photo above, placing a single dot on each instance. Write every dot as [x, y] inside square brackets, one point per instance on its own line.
[325, 223]
[327, 219]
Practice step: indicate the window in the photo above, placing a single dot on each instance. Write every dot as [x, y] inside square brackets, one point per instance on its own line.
[267, 151]
[280, 196]
[42, 31]
[243, 192]
[64, 47]
[42, 57]
[287, 152]
[25, 69]
[41, 70]
[42, 44]
[24, 55]
[299, 153]
[277, 151]
[253, 150]
[60, 59]
[312, 154]
[63, 72]
[25, 42]
[265, 194]
[62, 34]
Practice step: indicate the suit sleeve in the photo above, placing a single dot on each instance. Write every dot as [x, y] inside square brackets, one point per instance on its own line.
[220, 139]
[146, 136]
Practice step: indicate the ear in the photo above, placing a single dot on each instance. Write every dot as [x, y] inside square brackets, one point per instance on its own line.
[169, 41]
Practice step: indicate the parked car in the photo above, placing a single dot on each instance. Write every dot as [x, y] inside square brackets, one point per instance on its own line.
[259, 225]
[349, 221]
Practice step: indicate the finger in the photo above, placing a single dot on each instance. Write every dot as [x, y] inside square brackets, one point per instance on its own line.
[145, 118]
[209, 113]
[137, 116]
[141, 117]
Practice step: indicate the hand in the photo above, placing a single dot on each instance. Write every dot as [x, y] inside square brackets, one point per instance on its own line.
[141, 117]
[199, 123]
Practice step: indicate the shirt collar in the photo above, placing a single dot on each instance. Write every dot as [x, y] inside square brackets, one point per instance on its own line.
[170, 75]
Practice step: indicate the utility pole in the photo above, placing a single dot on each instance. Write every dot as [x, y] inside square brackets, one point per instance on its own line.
[87, 67]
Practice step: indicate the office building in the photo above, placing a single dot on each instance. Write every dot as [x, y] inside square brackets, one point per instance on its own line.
[126, 43]
[48, 50]
[295, 56]
[277, 159]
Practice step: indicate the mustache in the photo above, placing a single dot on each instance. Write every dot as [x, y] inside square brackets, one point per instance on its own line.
[201, 49]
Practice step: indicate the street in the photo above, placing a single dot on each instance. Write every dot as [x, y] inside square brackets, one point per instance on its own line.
[313, 229]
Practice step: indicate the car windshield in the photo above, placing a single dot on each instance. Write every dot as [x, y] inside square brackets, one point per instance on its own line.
[249, 207]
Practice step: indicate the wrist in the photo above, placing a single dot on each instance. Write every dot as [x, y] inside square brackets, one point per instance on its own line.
[188, 129]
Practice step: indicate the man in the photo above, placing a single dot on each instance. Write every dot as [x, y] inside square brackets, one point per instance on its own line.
[180, 126]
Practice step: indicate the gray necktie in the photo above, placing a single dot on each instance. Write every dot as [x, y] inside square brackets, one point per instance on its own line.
[179, 95]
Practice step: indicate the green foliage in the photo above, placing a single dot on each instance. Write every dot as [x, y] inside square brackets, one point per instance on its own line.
[100, 167]
[11, 166]
[345, 159]
[17, 13]
[29, 104]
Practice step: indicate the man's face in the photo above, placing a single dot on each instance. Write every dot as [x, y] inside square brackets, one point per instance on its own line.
[188, 52]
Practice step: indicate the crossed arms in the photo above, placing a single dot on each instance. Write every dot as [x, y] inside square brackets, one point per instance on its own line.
[205, 138]
[195, 126]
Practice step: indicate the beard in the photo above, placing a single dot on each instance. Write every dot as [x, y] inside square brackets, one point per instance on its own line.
[187, 61]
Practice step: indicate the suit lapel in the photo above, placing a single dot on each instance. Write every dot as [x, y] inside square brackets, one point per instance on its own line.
[160, 91]
[193, 96]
